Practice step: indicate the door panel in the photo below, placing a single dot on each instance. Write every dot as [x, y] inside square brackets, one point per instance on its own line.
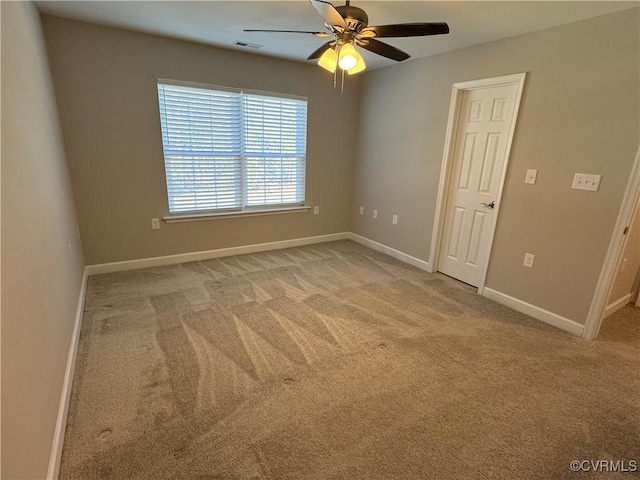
[489, 163]
[484, 121]
[456, 233]
[467, 155]
[477, 227]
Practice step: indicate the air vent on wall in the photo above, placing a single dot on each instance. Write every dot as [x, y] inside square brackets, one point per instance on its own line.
[246, 44]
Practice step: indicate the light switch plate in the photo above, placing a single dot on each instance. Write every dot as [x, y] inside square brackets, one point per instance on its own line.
[531, 177]
[586, 181]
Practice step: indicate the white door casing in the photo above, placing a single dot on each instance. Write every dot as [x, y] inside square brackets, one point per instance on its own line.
[481, 124]
[616, 246]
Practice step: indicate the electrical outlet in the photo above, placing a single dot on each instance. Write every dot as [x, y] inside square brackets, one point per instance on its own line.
[155, 223]
[528, 260]
[316, 210]
[394, 220]
[361, 210]
[375, 214]
[531, 177]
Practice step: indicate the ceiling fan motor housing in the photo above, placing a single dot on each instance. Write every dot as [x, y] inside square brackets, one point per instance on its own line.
[355, 17]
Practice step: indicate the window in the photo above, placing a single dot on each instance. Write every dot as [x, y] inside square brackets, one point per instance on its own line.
[230, 150]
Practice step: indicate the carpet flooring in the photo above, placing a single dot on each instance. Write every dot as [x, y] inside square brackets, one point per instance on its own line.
[334, 361]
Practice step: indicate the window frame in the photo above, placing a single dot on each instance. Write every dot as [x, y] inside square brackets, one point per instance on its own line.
[243, 193]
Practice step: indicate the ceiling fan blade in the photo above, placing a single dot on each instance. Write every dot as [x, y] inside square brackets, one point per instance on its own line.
[407, 30]
[383, 49]
[329, 13]
[318, 53]
[317, 34]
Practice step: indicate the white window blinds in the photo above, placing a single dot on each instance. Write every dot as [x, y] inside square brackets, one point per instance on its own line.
[231, 150]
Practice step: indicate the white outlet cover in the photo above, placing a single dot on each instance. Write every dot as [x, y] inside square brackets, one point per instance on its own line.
[531, 176]
[394, 219]
[361, 210]
[528, 260]
[375, 214]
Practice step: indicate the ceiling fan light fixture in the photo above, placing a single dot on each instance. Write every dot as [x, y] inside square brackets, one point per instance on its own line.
[348, 57]
[329, 60]
[360, 65]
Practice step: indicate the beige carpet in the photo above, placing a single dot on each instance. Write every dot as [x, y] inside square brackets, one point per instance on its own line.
[334, 361]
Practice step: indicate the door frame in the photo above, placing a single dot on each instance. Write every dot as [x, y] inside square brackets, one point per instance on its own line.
[447, 162]
[616, 246]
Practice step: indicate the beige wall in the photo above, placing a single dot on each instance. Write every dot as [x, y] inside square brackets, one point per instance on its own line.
[624, 281]
[106, 90]
[579, 113]
[40, 281]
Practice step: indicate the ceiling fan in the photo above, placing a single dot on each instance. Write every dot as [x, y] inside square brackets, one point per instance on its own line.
[350, 27]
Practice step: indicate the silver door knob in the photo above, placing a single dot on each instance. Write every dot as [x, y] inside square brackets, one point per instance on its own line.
[490, 204]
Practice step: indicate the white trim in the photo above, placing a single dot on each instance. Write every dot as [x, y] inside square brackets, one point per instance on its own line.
[222, 88]
[65, 396]
[204, 255]
[519, 305]
[616, 244]
[392, 252]
[536, 312]
[445, 172]
[197, 217]
[617, 305]
[502, 81]
[447, 162]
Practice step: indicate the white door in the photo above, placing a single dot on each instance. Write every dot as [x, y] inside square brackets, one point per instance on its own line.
[484, 124]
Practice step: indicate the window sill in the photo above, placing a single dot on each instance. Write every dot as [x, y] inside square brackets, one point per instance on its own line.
[197, 217]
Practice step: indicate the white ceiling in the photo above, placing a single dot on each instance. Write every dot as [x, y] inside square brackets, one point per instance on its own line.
[221, 23]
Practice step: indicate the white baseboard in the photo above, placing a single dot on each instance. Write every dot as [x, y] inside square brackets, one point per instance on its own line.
[617, 305]
[65, 396]
[535, 312]
[204, 255]
[511, 302]
[392, 252]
